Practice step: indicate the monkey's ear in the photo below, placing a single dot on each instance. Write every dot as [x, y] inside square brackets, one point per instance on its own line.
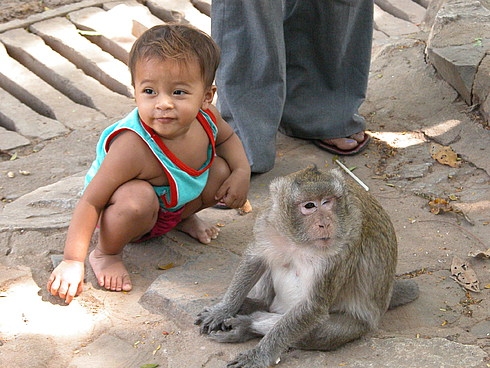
[278, 186]
[338, 181]
[337, 174]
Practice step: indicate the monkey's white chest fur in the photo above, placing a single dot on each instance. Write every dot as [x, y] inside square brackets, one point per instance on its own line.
[289, 286]
[293, 275]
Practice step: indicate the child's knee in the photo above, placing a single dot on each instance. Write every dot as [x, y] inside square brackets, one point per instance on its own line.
[137, 198]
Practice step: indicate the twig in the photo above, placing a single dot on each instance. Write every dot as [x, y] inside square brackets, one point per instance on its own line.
[359, 181]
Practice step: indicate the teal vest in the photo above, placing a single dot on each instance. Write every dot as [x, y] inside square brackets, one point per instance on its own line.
[185, 183]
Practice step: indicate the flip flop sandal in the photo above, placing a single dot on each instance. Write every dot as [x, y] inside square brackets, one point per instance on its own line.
[337, 151]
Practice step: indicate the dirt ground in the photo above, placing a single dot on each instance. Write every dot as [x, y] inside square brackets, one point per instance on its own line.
[408, 108]
[20, 9]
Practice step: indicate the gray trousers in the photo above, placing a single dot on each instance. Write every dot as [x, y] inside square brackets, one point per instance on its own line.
[298, 66]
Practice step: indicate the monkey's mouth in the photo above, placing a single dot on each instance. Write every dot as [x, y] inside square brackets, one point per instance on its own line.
[324, 241]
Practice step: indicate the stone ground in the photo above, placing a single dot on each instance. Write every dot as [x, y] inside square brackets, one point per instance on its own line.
[409, 108]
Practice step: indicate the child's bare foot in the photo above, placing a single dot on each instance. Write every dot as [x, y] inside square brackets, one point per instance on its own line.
[198, 229]
[110, 271]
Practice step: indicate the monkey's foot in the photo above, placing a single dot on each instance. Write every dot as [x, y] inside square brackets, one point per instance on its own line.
[198, 229]
[252, 359]
[110, 271]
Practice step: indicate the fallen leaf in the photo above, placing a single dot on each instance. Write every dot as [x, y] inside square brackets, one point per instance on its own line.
[167, 266]
[246, 208]
[440, 204]
[151, 365]
[464, 275]
[444, 155]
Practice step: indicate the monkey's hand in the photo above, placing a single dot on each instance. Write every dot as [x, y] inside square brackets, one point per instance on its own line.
[237, 329]
[212, 319]
[254, 358]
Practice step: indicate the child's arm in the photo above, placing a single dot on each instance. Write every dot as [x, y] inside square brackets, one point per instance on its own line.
[234, 190]
[122, 163]
[67, 278]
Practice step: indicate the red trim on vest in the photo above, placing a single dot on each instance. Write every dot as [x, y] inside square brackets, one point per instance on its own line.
[189, 170]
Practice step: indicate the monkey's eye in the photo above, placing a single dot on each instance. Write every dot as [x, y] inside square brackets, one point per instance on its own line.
[327, 202]
[307, 208]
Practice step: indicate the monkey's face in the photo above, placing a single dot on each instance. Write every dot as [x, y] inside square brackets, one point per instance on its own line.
[316, 220]
[306, 206]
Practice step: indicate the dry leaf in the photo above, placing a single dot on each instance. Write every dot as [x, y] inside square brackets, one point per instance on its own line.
[444, 155]
[440, 204]
[480, 254]
[464, 275]
[246, 208]
[167, 266]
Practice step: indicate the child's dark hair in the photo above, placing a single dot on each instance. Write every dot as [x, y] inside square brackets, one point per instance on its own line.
[177, 42]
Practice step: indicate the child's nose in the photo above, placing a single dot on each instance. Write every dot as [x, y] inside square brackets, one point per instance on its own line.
[164, 102]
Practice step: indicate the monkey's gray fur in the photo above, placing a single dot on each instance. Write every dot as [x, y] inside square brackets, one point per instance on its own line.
[320, 272]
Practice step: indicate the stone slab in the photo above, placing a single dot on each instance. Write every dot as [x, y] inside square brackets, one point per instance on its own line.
[18, 117]
[391, 25]
[10, 140]
[115, 28]
[60, 11]
[33, 53]
[132, 13]
[458, 66]
[48, 207]
[61, 35]
[181, 11]
[41, 96]
[182, 292]
[404, 9]
[420, 353]
[459, 22]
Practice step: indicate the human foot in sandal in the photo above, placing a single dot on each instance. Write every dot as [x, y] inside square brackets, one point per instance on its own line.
[344, 146]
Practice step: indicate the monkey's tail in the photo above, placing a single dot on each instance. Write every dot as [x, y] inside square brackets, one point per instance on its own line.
[404, 291]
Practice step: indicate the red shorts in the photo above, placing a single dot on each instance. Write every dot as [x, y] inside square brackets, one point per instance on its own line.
[166, 221]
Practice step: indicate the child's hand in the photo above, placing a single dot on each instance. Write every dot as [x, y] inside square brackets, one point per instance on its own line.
[234, 190]
[67, 280]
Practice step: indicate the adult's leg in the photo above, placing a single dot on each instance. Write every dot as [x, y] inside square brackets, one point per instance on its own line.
[251, 75]
[328, 53]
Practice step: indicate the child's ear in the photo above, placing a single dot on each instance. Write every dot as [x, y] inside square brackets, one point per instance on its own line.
[208, 97]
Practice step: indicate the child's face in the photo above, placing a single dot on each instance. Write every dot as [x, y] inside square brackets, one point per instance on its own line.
[169, 95]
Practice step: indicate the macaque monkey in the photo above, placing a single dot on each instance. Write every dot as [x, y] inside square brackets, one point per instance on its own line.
[320, 272]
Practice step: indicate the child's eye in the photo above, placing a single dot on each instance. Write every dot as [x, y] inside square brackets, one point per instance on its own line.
[148, 91]
[179, 92]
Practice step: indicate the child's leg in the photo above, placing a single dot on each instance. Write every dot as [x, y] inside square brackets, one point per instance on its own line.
[131, 213]
[191, 223]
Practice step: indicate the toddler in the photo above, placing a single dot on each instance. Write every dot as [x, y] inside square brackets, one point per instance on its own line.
[171, 157]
